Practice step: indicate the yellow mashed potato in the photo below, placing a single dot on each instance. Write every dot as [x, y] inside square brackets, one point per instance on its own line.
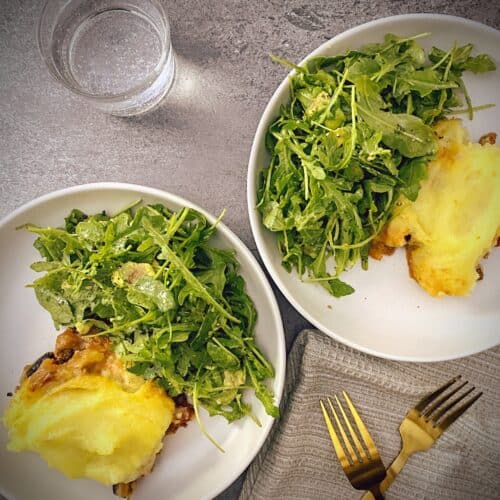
[456, 218]
[104, 427]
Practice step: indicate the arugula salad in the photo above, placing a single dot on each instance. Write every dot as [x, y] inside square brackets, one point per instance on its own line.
[173, 305]
[355, 134]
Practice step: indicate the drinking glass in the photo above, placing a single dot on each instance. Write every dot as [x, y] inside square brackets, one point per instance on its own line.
[116, 54]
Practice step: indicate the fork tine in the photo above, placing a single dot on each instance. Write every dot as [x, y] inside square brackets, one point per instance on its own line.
[433, 395]
[451, 404]
[344, 462]
[365, 435]
[347, 443]
[354, 437]
[441, 400]
[449, 419]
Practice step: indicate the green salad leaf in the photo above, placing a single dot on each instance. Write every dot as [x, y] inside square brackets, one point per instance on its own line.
[355, 134]
[174, 306]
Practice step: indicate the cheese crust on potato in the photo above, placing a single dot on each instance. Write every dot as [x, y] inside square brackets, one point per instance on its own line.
[455, 220]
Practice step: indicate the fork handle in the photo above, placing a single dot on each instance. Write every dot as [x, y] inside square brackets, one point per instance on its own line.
[377, 494]
[394, 469]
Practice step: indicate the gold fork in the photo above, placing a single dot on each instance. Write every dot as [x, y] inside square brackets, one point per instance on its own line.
[364, 469]
[424, 423]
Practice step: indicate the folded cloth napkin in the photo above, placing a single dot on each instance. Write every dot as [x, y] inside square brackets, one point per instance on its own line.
[298, 460]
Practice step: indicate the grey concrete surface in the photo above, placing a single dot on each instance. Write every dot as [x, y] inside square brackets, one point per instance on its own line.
[197, 143]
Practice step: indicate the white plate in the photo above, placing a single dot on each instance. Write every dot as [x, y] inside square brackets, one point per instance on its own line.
[189, 466]
[389, 315]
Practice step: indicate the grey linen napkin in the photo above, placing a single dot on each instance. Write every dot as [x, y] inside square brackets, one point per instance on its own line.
[298, 461]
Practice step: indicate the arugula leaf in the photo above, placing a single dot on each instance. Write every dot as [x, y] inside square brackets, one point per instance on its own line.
[54, 302]
[91, 230]
[479, 64]
[221, 355]
[462, 60]
[422, 81]
[148, 292]
[355, 135]
[411, 174]
[262, 392]
[73, 219]
[338, 288]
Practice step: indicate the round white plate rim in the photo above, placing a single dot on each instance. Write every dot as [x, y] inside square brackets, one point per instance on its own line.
[241, 248]
[254, 216]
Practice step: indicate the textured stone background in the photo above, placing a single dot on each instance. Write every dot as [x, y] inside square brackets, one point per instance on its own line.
[196, 144]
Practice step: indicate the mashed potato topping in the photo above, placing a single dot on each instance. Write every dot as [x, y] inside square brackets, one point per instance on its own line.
[87, 416]
[456, 218]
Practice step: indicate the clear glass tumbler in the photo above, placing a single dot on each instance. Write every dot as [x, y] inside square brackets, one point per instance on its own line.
[114, 53]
